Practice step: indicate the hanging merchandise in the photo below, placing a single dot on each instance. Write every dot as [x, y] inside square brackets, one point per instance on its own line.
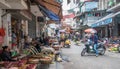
[2, 34]
[1, 39]
[2, 31]
[14, 39]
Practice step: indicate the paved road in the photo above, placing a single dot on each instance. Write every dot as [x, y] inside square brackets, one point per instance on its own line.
[108, 61]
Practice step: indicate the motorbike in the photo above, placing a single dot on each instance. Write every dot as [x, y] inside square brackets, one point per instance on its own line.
[89, 49]
[67, 45]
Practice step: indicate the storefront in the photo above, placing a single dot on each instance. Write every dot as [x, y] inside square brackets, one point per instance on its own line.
[32, 27]
[15, 29]
[109, 24]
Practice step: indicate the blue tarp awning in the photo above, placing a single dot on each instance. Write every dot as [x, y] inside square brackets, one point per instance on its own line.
[49, 14]
[104, 21]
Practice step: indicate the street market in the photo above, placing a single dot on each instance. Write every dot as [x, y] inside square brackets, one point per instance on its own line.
[59, 34]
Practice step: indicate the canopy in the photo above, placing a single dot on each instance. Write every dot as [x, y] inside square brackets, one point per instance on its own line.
[90, 30]
[49, 13]
[105, 20]
[62, 30]
[52, 5]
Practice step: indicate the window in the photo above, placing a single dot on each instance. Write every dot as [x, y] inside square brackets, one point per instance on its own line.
[97, 14]
[117, 1]
[90, 14]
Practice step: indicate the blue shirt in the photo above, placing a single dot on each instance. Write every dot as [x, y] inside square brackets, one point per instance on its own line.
[94, 38]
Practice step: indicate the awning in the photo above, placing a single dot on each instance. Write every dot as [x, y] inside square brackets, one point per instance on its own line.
[116, 7]
[106, 20]
[4, 5]
[51, 22]
[27, 14]
[49, 13]
[115, 14]
[52, 5]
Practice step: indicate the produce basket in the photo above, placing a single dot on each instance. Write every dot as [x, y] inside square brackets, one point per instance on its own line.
[36, 56]
[33, 61]
[56, 47]
[47, 60]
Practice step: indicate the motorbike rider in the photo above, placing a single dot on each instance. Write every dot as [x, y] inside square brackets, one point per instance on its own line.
[94, 40]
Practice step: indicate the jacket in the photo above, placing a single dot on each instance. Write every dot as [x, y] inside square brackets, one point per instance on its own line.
[94, 38]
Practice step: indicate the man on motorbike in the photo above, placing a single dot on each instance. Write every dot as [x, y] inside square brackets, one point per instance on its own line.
[94, 40]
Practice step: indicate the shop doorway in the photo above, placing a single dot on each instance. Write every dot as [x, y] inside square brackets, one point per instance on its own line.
[16, 32]
[118, 29]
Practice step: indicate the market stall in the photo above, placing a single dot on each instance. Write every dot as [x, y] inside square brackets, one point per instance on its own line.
[30, 59]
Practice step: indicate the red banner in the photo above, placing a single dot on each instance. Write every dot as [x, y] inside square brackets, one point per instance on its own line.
[69, 16]
[1, 39]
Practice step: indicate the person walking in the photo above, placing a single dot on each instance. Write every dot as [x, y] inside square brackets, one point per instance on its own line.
[62, 39]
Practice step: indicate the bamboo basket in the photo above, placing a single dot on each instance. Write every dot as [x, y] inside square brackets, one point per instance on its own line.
[33, 61]
[46, 60]
[56, 47]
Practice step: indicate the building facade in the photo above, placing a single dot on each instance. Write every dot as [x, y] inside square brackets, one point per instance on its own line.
[110, 22]
[7, 19]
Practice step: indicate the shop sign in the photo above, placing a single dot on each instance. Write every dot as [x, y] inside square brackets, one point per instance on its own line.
[104, 22]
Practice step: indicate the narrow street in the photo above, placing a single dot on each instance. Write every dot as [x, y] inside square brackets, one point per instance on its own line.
[108, 61]
[32, 33]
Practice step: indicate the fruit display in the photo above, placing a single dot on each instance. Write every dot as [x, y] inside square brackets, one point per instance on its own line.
[21, 64]
[113, 48]
[7, 64]
[31, 66]
[14, 68]
[52, 55]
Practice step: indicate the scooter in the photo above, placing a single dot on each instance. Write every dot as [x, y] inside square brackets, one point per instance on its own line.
[67, 45]
[90, 50]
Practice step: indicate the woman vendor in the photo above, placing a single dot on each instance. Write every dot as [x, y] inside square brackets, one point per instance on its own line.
[6, 55]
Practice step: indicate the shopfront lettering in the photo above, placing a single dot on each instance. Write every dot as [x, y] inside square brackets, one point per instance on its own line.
[104, 22]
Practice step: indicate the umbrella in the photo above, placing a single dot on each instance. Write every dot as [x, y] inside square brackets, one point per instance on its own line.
[61, 30]
[77, 32]
[90, 30]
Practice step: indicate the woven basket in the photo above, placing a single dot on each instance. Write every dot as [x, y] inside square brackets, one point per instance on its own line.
[36, 56]
[33, 61]
[56, 47]
[45, 61]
